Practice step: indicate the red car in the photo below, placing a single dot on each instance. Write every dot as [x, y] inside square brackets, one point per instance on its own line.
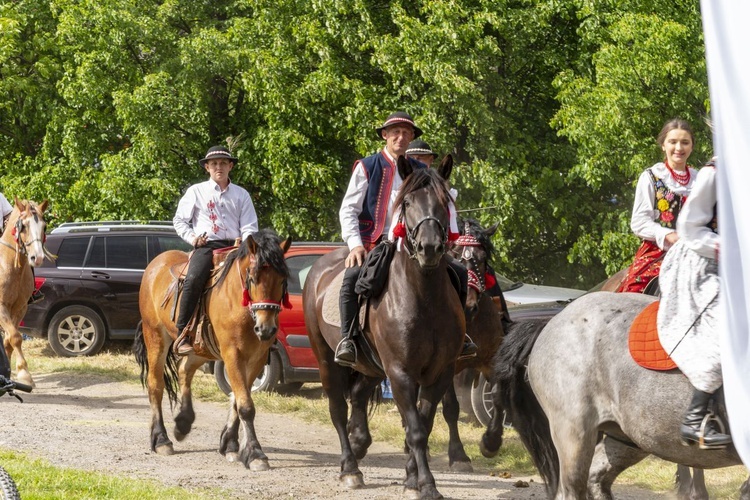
[291, 361]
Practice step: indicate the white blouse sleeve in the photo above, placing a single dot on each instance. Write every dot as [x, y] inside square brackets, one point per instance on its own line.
[697, 213]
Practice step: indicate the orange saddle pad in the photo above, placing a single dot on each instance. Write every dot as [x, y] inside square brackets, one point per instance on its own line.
[644, 344]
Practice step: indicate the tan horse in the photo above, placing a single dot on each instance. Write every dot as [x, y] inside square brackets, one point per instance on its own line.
[243, 307]
[21, 248]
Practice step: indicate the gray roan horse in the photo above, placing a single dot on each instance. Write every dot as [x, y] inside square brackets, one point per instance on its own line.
[584, 409]
[416, 327]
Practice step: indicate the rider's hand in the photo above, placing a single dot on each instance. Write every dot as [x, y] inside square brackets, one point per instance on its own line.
[671, 239]
[356, 257]
[199, 241]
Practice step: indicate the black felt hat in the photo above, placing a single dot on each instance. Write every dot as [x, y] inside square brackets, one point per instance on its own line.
[215, 152]
[399, 118]
[419, 147]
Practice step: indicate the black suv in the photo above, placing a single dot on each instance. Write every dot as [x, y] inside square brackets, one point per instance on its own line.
[91, 290]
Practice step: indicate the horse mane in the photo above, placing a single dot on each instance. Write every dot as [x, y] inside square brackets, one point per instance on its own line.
[424, 178]
[473, 228]
[268, 253]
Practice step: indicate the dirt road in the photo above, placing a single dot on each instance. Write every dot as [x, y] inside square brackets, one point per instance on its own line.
[94, 424]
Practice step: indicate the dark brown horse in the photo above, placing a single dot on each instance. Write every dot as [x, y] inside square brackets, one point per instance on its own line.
[243, 330]
[416, 327]
[485, 327]
[21, 249]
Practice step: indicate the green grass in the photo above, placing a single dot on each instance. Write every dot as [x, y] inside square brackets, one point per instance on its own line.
[309, 404]
[38, 480]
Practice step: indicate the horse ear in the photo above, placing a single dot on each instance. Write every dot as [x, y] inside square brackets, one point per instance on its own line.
[404, 167]
[43, 206]
[286, 244]
[251, 245]
[19, 204]
[446, 167]
[491, 230]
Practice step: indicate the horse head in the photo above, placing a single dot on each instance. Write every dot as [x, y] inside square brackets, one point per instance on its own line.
[423, 201]
[263, 270]
[474, 250]
[28, 230]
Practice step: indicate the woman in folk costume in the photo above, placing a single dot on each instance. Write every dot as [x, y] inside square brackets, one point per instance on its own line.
[661, 191]
[687, 319]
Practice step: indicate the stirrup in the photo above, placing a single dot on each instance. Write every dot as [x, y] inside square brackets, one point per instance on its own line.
[711, 417]
[183, 345]
[345, 362]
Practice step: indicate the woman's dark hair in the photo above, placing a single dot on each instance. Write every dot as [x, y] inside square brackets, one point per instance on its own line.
[674, 123]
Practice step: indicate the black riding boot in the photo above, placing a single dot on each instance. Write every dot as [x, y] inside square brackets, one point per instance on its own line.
[690, 430]
[346, 351]
[469, 349]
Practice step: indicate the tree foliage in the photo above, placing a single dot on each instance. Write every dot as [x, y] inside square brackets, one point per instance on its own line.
[548, 106]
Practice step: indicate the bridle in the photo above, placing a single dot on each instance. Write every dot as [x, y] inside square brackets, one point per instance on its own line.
[477, 281]
[264, 304]
[411, 234]
[22, 245]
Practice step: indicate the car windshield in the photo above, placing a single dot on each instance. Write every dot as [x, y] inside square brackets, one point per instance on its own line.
[506, 284]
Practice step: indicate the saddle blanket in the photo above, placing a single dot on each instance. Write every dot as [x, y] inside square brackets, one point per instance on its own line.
[643, 341]
[331, 311]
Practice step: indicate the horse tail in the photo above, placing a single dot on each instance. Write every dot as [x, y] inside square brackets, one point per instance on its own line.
[139, 351]
[527, 415]
[171, 377]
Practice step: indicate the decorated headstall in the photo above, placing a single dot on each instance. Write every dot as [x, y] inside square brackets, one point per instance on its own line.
[402, 231]
[19, 228]
[478, 280]
[264, 304]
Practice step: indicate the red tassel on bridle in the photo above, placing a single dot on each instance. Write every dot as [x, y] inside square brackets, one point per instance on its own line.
[399, 231]
[245, 297]
[489, 280]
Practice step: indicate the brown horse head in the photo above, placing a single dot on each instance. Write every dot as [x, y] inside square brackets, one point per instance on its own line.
[423, 203]
[262, 268]
[474, 249]
[27, 226]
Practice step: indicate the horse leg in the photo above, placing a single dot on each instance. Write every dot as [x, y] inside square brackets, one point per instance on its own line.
[575, 445]
[745, 490]
[419, 478]
[611, 457]
[183, 422]
[229, 444]
[155, 365]
[690, 486]
[457, 459]
[359, 431]
[492, 438]
[13, 342]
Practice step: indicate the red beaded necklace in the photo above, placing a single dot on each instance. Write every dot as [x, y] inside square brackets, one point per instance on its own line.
[682, 178]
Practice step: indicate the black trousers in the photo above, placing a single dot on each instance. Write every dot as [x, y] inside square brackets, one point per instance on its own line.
[199, 269]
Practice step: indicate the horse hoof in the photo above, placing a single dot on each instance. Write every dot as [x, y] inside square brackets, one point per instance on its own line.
[259, 465]
[165, 450]
[179, 436]
[411, 494]
[25, 378]
[232, 457]
[461, 467]
[430, 492]
[485, 452]
[353, 481]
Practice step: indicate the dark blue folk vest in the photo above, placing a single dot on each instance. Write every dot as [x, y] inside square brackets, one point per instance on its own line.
[380, 173]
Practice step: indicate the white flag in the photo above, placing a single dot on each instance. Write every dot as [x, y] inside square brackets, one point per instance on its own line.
[725, 26]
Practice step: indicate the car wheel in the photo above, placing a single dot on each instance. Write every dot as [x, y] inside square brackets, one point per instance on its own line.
[267, 379]
[481, 402]
[76, 331]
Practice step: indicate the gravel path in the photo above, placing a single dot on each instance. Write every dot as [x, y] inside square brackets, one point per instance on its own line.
[91, 423]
